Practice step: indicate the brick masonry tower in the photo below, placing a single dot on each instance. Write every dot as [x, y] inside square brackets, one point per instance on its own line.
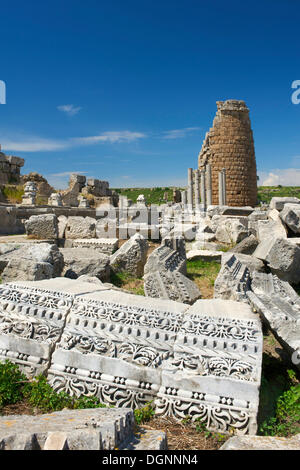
[229, 144]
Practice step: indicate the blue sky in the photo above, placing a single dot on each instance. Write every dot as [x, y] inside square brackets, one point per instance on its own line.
[125, 91]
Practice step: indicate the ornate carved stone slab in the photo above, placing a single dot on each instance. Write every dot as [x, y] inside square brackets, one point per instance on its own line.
[203, 361]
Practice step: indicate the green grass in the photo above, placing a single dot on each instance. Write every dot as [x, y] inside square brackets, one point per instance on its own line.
[155, 195]
[265, 193]
[13, 194]
[152, 195]
[125, 280]
[204, 274]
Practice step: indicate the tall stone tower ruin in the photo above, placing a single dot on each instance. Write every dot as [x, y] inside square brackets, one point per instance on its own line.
[229, 144]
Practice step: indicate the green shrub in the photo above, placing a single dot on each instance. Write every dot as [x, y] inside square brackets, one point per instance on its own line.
[88, 402]
[286, 421]
[11, 383]
[41, 395]
[144, 414]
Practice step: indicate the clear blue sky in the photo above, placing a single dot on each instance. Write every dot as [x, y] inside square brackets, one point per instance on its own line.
[124, 90]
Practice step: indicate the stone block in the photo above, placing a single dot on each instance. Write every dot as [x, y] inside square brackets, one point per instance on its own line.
[85, 261]
[290, 215]
[43, 227]
[80, 227]
[131, 257]
[282, 257]
[278, 203]
[279, 306]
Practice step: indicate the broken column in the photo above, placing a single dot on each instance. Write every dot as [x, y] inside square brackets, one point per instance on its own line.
[222, 187]
[29, 197]
[190, 188]
[203, 188]
[197, 188]
[208, 185]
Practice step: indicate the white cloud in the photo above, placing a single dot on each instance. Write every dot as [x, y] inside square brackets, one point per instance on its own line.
[69, 109]
[38, 144]
[111, 137]
[179, 133]
[33, 144]
[284, 177]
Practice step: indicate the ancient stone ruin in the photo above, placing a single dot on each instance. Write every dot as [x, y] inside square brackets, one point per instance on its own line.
[226, 163]
[64, 312]
[10, 167]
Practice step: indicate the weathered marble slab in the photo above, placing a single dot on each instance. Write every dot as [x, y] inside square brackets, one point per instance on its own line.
[203, 361]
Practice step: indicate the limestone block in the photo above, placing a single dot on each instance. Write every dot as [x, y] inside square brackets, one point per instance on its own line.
[262, 443]
[279, 202]
[233, 279]
[202, 361]
[103, 245]
[270, 228]
[80, 227]
[279, 305]
[164, 258]
[205, 255]
[247, 246]
[212, 246]
[44, 227]
[31, 322]
[171, 285]
[282, 257]
[221, 361]
[231, 231]
[32, 263]
[131, 257]
[86, 429]
[80, 261]
[290, 215]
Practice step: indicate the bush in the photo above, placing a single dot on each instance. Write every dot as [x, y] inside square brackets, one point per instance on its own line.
[41, 395]
[286, 421]
[11, 383]
[144, 414]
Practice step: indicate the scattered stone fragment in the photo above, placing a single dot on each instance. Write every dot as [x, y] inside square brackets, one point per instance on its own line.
[247, 246]
[205, 255]
[279, 202]
[31, 263]
[131, 257]
[80, 227]
[44, 227]
[290, 215]
[279, 305]
[85, 261]
[262, 443]
[282, 257]
[233, 279]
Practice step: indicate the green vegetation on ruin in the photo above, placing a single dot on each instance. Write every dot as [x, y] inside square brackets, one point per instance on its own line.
[203, 274]
[13, 194]
[265, 193]
[152, 195]
[125, 280]
[156, 195]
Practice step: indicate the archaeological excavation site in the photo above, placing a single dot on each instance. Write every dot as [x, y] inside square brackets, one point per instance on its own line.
[183, 312]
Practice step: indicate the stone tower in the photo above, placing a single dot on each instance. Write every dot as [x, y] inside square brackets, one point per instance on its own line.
[229, 144]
